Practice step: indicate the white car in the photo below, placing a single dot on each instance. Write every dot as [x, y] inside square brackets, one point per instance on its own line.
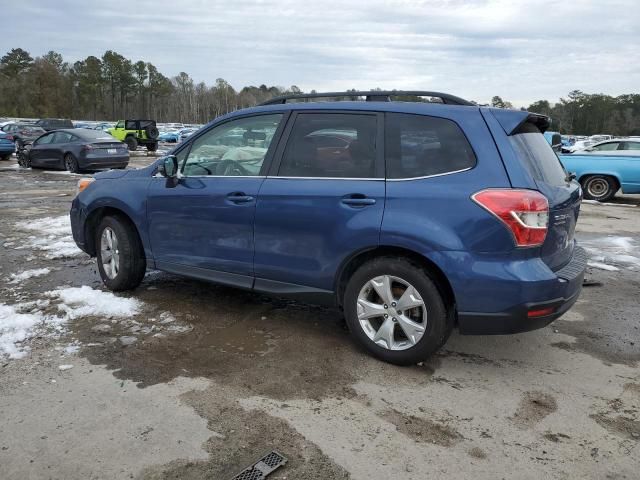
[580, 145]
[619, 146]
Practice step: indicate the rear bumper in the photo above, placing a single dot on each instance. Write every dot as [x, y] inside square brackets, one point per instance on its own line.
[107, 161]
[562, 291]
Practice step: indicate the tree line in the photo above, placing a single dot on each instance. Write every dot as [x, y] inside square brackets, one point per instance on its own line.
[113, 87]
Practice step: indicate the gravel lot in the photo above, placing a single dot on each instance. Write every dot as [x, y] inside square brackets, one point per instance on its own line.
[191, 380]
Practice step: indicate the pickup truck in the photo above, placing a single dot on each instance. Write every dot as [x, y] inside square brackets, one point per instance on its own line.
[601, 176]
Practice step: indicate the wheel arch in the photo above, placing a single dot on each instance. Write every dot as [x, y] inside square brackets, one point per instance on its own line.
[351, 264]
[95, 217]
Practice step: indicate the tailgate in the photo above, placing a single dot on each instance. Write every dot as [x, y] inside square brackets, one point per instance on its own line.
[551, 179]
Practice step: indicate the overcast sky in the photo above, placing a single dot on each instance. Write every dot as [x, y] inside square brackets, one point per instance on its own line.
[522, 51]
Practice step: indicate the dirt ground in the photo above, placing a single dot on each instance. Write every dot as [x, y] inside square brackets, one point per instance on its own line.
[204, 379]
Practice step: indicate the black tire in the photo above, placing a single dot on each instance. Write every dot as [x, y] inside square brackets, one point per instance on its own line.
[152, 147]
[5, 157]
[152, 132]
[70, 163]
[599, 187]
[131, 260]
[439, 321]
[132, 143]
[23, 159]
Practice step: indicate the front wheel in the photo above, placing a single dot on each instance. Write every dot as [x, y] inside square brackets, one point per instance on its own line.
[395, 311]
[599, 187]
[121, 260]
[23, 159]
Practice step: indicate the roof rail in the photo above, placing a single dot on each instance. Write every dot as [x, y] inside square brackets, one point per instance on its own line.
[371, 96]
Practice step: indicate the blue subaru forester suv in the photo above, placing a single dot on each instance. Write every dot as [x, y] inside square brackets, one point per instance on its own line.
[413, 217]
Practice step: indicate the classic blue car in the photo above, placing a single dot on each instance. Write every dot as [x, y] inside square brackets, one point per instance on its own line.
[415, 218]
[601, 176]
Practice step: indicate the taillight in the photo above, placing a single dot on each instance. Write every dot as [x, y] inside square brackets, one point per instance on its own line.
[524, 212]
[88, 147]
[24, 132]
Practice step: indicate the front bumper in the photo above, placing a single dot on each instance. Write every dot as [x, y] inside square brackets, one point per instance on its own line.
[562, 290]
[78, 219]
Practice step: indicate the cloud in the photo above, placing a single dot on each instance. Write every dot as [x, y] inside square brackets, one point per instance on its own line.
[522, 51]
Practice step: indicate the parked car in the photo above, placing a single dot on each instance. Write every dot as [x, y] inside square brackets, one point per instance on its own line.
[54, 123]
[618, 147]
[22, 133]
[186, 133]
[601, 176]
[75, 150]
[7, 147]
[103, 126]
[136, 132]
[171, 136]
[578, 145]
[555, 140]
[414, 218]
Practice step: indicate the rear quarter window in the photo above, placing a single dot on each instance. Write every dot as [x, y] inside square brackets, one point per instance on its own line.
[537, 156]
[421, 146]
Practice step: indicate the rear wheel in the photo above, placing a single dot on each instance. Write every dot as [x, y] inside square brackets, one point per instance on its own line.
[6, 157]
[599, 187]
[70, 163]
[120, 255]
[395, 311]
[152, 147]
[132, 143]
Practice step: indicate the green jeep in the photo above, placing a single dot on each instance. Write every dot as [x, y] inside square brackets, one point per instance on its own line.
[136, 132]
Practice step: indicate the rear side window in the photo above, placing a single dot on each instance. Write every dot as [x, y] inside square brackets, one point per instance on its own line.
[537, 156]
[422, 146]
[335, 145]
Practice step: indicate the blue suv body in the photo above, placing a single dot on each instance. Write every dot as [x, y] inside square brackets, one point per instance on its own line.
[412, 217]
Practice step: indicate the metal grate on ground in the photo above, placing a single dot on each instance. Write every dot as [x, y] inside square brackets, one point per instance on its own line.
[263, 467]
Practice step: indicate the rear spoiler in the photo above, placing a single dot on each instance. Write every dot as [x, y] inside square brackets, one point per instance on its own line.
[512, 120]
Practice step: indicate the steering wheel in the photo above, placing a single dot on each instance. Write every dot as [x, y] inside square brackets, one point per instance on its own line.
[191, 165]
[230, 168]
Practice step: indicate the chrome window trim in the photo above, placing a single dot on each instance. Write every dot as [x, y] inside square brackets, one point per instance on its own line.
[158, 175]
[430, 176]
[324, 178]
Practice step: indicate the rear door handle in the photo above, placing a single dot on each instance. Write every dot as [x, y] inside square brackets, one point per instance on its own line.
[239, 197]
[358, 201]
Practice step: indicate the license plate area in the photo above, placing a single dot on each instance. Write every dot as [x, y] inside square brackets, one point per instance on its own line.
[112, 151]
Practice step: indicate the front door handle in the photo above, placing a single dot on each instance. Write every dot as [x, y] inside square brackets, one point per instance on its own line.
[239, 197]
[358, 201]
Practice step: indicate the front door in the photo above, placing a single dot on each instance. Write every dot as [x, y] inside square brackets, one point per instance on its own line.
[323, 200]
[202, 226]
[40, 152]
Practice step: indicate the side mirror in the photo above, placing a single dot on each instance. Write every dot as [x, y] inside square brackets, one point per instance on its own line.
[168, 167]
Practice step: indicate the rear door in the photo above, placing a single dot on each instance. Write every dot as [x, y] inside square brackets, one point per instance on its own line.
[322, 201]
[564, 196]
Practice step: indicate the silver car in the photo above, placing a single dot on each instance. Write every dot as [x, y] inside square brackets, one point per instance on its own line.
[618, 147]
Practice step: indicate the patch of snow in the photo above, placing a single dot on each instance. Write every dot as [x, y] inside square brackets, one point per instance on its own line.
[167, 317]
[65, 367]
[17, 326]
[71, 349]
[614, 251]
[55, 238]
[127, 340]
[85, 301]
[603, 266]
[38, 272]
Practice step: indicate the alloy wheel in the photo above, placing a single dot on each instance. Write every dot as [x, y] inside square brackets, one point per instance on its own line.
[109, 253]
[391, 312]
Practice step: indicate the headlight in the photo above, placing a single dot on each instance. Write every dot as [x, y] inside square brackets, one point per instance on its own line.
[84, 183]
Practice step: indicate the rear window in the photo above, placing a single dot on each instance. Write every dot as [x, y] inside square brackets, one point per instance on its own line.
[422, 146]
[537, 156]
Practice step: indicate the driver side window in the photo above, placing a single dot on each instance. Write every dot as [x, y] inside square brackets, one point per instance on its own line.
[235, 148]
